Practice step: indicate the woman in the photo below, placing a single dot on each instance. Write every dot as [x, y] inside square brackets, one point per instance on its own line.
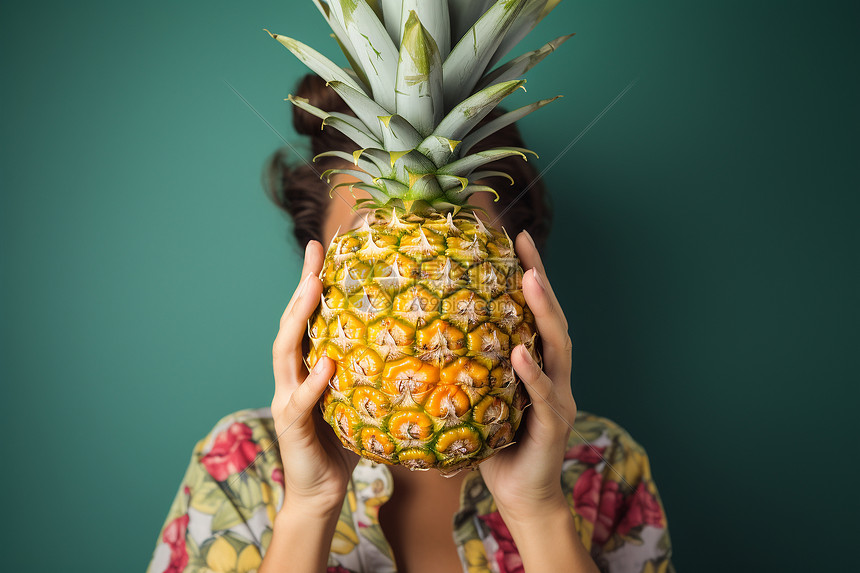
[273, 489]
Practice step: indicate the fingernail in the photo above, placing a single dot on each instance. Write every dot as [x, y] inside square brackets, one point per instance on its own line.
[529, 237]
[528, 355]
[538, 280]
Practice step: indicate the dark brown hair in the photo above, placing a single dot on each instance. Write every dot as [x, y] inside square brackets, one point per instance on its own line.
[295, 186]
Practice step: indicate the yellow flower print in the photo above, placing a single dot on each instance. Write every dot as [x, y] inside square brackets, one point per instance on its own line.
[634, 467]
[476, 556]
[585, 529]
[249, 560]
[372, 504]
[371, 507]
[222, 558]
[353, 502]
[268, 501]
[345, 539]
[650, 567]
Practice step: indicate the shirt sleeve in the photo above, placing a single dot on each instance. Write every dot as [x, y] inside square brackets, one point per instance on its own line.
[222, 514]
[617, 506]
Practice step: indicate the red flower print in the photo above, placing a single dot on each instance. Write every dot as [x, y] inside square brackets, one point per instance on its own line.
[174, 536]
[599, 501]
[586, 494]
[232, 452]
[278, 476]
[507, 557]
[586, 453]
[642, 509]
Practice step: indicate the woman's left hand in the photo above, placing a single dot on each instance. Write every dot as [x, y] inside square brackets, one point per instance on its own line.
[525, 478]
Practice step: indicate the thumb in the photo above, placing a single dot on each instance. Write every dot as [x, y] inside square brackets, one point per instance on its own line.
[299, 410]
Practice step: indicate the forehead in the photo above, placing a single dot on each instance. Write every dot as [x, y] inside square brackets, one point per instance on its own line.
[341, 212]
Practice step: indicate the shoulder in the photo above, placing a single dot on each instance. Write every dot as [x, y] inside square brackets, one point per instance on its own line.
[236, 442]
[603, 454]
[595, 439]
[257, 420]
[227, 500]
[591, 427]
[607, 478]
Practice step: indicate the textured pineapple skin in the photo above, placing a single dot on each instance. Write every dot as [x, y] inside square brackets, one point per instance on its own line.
[420, 315]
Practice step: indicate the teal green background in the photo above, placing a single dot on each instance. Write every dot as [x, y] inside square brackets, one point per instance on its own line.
[705, 252]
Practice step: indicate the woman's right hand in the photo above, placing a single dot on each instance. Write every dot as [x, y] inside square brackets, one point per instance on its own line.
[317, 468]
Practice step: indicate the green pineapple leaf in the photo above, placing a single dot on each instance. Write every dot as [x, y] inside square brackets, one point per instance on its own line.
[391, 11]
[468, 113]
[478, 175]
[464, 14]
[368, 166]
[548, 8]
[419, 78]
[376, 7]
[390, 187]
[517, 67]
[318, 63]
[346, 124]
[433, 15]
[452, 182]
[460, 197]
[367, 110]
[423, 187]
[374, 51]
[343, 41]
[502, 121]
[380, 158]
[465, 166]
[398, 134]
[380, 197]
[525, 22]
[362, 176]
[438, 149]
[469, 58]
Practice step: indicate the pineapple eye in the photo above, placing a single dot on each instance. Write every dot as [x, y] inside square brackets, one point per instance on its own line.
[416, 459]
[410, 425]
[346, 421]
[370, 402]
[376, 441]
[458, 442]
[447, 401]
[490, 410]
[502, 436]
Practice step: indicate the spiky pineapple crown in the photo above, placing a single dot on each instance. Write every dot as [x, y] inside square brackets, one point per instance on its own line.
[423, 75]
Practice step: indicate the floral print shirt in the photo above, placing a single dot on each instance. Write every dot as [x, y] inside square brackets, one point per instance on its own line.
[221, 519]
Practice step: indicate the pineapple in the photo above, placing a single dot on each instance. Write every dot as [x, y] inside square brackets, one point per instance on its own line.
[423, 304]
